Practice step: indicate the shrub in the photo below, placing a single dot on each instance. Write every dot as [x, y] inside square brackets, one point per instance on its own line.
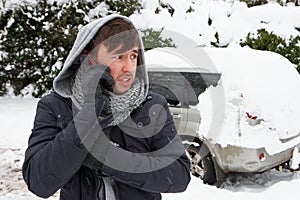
[251, 3]
[152, 39]
[35, 39]
[269, 41]
[35, 44]
[124, 7]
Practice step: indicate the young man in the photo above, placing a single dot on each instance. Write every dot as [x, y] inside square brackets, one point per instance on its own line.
[101, 134]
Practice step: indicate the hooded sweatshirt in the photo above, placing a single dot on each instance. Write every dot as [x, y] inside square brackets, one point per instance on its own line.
[64, 81]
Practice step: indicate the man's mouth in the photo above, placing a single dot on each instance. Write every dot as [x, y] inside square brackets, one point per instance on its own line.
[123, 84]
[125, 78]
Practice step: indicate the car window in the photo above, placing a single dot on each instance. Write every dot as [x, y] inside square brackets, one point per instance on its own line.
[181, 89]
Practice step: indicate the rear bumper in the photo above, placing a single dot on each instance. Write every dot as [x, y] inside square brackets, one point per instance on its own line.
[241, 159]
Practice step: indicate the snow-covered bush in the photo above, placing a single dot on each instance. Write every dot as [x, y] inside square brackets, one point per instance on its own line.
[153, 39]
[35, 40]
[254, 2]
[124, 7]
[251, 3]
[265, 40]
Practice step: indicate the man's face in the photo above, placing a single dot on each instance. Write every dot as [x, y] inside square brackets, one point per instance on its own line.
[122, 66]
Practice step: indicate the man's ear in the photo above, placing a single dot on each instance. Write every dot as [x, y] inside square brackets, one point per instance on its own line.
[85, 55]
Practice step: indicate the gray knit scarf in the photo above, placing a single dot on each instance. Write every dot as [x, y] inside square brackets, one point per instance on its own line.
[122, 105]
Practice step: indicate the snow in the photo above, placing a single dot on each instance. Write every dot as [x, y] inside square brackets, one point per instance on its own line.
[295, 159]
[255, 83]
[16, 118]
[259, 83]
[233, 21]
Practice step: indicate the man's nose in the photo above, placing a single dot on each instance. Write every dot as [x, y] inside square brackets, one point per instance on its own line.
[128, 65]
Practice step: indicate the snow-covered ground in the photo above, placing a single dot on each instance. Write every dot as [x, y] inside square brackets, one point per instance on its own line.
[16, 118]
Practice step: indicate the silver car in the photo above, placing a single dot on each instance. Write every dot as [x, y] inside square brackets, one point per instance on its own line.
[182, 82]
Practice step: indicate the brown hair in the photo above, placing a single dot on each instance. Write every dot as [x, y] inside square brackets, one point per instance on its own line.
[115, 33]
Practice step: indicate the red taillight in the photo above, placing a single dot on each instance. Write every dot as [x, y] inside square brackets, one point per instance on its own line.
[292, 151]
[262, 157]
[251, 116]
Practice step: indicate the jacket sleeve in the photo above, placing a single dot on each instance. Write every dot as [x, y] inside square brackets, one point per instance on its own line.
[54, 152]
[165, 169]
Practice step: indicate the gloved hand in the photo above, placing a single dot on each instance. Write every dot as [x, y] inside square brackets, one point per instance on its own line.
[90, 100]
[89, 83]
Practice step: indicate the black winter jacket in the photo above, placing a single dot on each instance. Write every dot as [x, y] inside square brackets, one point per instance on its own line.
[54, 157]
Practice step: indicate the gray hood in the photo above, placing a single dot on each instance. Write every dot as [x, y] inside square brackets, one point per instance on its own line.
[63, 83]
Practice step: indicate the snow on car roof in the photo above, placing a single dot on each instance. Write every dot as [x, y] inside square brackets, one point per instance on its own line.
[178, 59]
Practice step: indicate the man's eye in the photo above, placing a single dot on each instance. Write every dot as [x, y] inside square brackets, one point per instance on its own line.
[118, 57]
[133, 56]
